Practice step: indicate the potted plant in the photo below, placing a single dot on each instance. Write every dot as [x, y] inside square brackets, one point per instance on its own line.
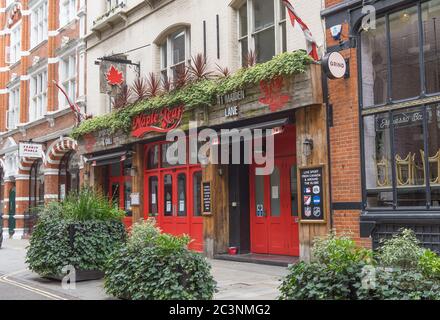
[80, 232]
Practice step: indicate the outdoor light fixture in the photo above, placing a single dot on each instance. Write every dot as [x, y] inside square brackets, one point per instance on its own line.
[308, 147]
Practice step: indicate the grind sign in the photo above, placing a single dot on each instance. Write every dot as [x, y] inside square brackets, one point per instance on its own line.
[334, 65]
[312, 195]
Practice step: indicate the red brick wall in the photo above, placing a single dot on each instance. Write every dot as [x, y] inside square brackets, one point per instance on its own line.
[345, 142]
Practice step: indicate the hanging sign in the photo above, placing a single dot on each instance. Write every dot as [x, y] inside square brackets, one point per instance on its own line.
[112, 77]
[161, 121]
[334, 65]
[312, 195]
[30, 150]
[206, 197]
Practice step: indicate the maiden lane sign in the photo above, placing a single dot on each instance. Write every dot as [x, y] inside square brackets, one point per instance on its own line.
[161, 121]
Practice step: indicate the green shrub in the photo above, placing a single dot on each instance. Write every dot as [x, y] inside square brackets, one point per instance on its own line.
[61, 238]
[90, 204]
[400, 270]
[403, 250]
[399, 284]
[158, 267]
[334, 273]
[429, 264]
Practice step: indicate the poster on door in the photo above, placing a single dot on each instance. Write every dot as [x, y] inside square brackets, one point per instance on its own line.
[312, 195]
[206, 198]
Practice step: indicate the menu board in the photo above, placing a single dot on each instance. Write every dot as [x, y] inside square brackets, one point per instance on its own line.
[312, 194]
[207, 197]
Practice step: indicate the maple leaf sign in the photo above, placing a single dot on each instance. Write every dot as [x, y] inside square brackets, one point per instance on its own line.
[114, 76]
[272, 94]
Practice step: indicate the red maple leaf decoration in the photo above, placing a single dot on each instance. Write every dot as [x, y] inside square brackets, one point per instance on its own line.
[272, 95]
[90, 142]
[114, 76]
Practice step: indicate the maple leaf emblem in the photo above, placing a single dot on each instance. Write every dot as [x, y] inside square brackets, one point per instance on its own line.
[114, 76]
[272, 95]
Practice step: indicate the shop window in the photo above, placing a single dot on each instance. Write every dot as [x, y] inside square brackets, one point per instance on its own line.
[69, 174]
[127, 198]
[174, 53]
[395, 74]
[38, 96]
[39, 23]
[153, 187]
[265, 32]
[168, 195]
[153, 157]
[402, 158]
[181, 193]
[275, 200]
[197, 193]
[36, 185]
[431, 39]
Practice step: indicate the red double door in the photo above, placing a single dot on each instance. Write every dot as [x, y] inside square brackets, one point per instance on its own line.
[274, 214]
[173, 196]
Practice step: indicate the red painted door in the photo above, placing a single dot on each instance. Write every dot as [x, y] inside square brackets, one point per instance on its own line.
[274, 220]
[174, 197]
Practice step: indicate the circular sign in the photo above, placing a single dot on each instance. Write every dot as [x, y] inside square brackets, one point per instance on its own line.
[334, 65]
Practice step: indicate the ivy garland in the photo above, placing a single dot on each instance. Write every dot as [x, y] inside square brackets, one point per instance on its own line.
[203, 92]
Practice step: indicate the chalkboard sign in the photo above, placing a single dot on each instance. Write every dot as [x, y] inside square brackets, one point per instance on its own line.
[312, 195]
[206, 190]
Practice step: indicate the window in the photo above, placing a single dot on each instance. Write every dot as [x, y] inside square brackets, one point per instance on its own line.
[68, 79]
[395, 74]
[401, 144]
[14, 108]
[68, 175]
[402, 158]
[265, 32]
[38, 96]
[197, 194]
[67, 11]
[15, 48]
[36, 185]
[39, 24]
[174, 53]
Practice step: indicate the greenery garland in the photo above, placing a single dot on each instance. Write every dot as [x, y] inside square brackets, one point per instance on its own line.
[203, 92]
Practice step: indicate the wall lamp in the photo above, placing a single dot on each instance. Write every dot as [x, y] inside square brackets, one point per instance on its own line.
[308, 147]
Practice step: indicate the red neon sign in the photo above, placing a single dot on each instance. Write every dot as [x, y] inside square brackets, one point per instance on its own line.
[161, 121]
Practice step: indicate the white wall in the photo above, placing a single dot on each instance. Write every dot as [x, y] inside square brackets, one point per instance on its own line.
[144, 26]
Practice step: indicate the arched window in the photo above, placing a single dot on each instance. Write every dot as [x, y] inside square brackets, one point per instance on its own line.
[175, 53]
[68, 174]
[36, 185]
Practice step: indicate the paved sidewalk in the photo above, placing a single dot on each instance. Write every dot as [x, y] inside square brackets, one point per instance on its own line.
[243, 281]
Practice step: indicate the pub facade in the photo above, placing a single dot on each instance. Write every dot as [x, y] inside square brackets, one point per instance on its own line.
[224, 205]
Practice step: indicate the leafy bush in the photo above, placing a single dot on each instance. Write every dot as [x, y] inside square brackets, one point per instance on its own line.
[66, 236]
[403, 250]
[399, 284]
[400, 270]
[155, 266]
[334, 273]
[429, 264]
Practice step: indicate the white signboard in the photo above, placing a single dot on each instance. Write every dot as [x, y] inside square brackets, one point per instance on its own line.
[30, 150]
[334, 65]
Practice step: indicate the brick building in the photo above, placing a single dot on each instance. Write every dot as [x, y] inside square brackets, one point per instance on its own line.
[41, 43]
[384, 146]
